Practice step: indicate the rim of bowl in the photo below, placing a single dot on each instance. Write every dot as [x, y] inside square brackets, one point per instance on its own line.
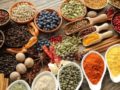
[112, 21]
[75, 19]
[3, 38]
[50, 31]
[8, 18]
[17, 3]
[109, 1]
[45, 73]
[96, 8]
[21, 81]
[71, 63]
[101, 79]
[111, 76]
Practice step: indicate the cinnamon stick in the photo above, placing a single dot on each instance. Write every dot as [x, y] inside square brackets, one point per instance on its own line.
[6, 83]
[1, 81]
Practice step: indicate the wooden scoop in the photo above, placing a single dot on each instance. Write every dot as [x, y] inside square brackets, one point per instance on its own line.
[101, 37]
[92, 29]
[90, 21]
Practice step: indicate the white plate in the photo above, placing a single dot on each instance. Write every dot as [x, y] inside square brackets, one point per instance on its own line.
[114, 79]
[71, 63]
[98, 85]
[20, 81]
[42, 74]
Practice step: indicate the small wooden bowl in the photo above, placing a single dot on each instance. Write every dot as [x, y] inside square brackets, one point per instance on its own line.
[3, 38]
[75, 19]
[110, 2]
[21, 22]
[6, 20]
[95, 8]
[118, 12]
[50, 31]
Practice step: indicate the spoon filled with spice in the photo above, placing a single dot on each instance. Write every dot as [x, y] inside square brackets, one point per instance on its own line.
[76, 26]
[94, 68]
[92, 29]
[96, 38]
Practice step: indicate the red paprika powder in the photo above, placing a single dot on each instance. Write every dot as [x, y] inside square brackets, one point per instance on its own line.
[94, 67]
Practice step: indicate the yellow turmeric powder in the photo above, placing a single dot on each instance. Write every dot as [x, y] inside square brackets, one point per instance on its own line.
[113, 60]
[90, 39]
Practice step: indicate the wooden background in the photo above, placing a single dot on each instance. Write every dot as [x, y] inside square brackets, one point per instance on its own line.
[41, 4]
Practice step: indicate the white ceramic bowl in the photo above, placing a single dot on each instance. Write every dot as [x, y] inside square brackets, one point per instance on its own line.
[99, 84]
[20, 81]
[71, 63]
[42, 74]
[114, 79]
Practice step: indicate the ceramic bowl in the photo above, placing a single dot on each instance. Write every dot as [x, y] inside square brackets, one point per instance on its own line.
[114, 79]
[71, 63]
[42, 74]
[99, 84]
[20, 81]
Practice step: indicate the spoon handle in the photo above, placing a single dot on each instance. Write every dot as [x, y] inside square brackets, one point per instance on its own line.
[104, 26]
[106, 34]
[99, 19]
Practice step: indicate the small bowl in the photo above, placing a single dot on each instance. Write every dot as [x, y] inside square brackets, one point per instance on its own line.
[50, 31]
[42, 74]
[113, 4]
[20, 81]
[7, 19]
[113, 23]
[99, 84]
[3, 37]
[21, 22]
[114, 79]
[68, 19]
[95, 8]
[71, 63]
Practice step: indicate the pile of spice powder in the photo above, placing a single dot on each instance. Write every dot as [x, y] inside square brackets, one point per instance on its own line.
[73, 9]
[45, 82]
[95, 4]
[113, 60]
[116, 22]
[67, 46]
[94, 67]
[91, 38]
[16, 35]
[22, 12]
[69, 77]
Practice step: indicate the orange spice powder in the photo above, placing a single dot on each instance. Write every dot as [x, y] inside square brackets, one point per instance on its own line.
[94, 67]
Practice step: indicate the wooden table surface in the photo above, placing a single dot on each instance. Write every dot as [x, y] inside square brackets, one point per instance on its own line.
[41, 4]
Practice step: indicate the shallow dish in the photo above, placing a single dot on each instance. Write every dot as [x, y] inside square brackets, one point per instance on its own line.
[99, 84]
[19, 81]
[42, 74]
[72, 63]
[114, 79]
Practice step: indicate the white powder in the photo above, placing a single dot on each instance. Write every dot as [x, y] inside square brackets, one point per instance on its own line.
[45, 83]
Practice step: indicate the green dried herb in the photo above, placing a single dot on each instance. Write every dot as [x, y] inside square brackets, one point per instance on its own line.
[69, 77]
[73, 9]
[68, 45]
